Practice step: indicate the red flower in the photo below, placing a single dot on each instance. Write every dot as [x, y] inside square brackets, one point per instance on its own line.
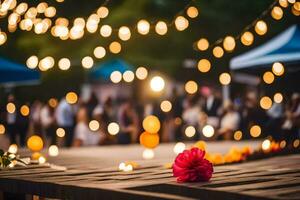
[191, 166]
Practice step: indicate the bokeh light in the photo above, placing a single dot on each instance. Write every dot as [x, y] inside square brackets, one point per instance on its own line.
[53, 151]
[64, 64]
[247, 38]
[116, 77]
[128, 76]
[278, 97]
[149, 140]
[141, 73]
[203, 44]
[35, 143]
[278, 69]
[266, 144]
[32, 62]
[2, 129]
[268, 77]
[192, 12]
[237, 135]
[181, 23]
[10, 107]
[157, 84]
[102, 12]
[277, 13]
[204, 65]
[94, 125]
[229, 43]
[225, 78]
[87, 62]
[24, 110]
[218, 52]
[105, 30]
[208, 131]
[161, 28]
[261, 27]
[71, 97]
[166, 106]
[255, 131]
[113, 128]
[151, 124]
[13, 148]
[148, 154]
[60, 132]
[191, 87]
[115, 47]
[143, 27]
[99, 52]
[179, 147]
[265, 102]
[124, 33]
[190, 131]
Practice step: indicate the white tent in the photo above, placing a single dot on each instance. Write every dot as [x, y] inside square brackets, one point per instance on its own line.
[285, 47]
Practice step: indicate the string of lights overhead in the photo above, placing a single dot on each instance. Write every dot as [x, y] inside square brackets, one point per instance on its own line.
[246, 36]
[143, 27]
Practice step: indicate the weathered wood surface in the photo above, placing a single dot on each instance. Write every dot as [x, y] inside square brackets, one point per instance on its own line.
[87, 178]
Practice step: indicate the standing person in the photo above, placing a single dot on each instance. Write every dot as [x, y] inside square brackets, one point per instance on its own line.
[64, 116]
[48, 122]
[23, 125]
[212, 107]
[128, 123]
[11, 119]
[35, 117]
[83, 135]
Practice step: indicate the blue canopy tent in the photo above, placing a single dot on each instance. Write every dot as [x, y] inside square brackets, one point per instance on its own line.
[12, 73]
[102, 71]
[285, 48]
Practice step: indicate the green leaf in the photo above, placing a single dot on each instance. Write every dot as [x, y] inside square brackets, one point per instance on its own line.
[1, 152]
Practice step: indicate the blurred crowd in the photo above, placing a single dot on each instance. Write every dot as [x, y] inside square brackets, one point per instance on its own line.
[119, 120]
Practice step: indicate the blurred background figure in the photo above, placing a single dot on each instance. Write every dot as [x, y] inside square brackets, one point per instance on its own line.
[48, 122]
[230, 121]
[83, 135]
[129, 123]
[64, 116]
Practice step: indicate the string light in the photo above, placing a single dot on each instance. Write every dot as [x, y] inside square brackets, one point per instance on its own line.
[192, 12]
[278, 98]
[161, 28]
[141, 73]
[278, 69]
[151, 124]
[71, 97]
[116, 77]
[60, 132]
[181, 23]
[265, 102]
[166, 106]
[191, 87]
[229, 43]
[143, 27]
[255, 131]
[266, 145]
[3, 37]
[218, 52]
[128, 76]
[102, 12]
[190, 131]
[157, 83]
[203, 44]
[247, 38]
[115, 47]
[2, 129]
[10, 108]
[113, 128]
[87, 62]
[32, 62]
[208, 131]
[53, 151]
[261, 27]
[283, 3]
[94, 125]
[237, 135]
[277, 13]
[225, 79]
[124, 33]
[105, 30]
[268, 77]
[64, 64]
[99, 52]
[204, 65]
[24, 110]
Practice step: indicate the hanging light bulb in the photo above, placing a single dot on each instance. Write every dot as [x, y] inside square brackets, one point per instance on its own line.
[102, 12]
[32, 62]
[181, 23]
[115, 47]
[202, 44]
[87, 62]
[124, 33]
[229, 43]
[261, 27]
[204, 65]
[192, 12]
[277, 13]
[99, 52]
[247, 38]
[218, 52]
[191, 87]
[105, 30]
[116, 77]
[268, 77]
[161, 28]
[143, 27]
[64, 64]
[225, 78]
[3, 38]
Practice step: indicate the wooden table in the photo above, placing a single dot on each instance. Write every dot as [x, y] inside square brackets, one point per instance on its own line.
[96, 176]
